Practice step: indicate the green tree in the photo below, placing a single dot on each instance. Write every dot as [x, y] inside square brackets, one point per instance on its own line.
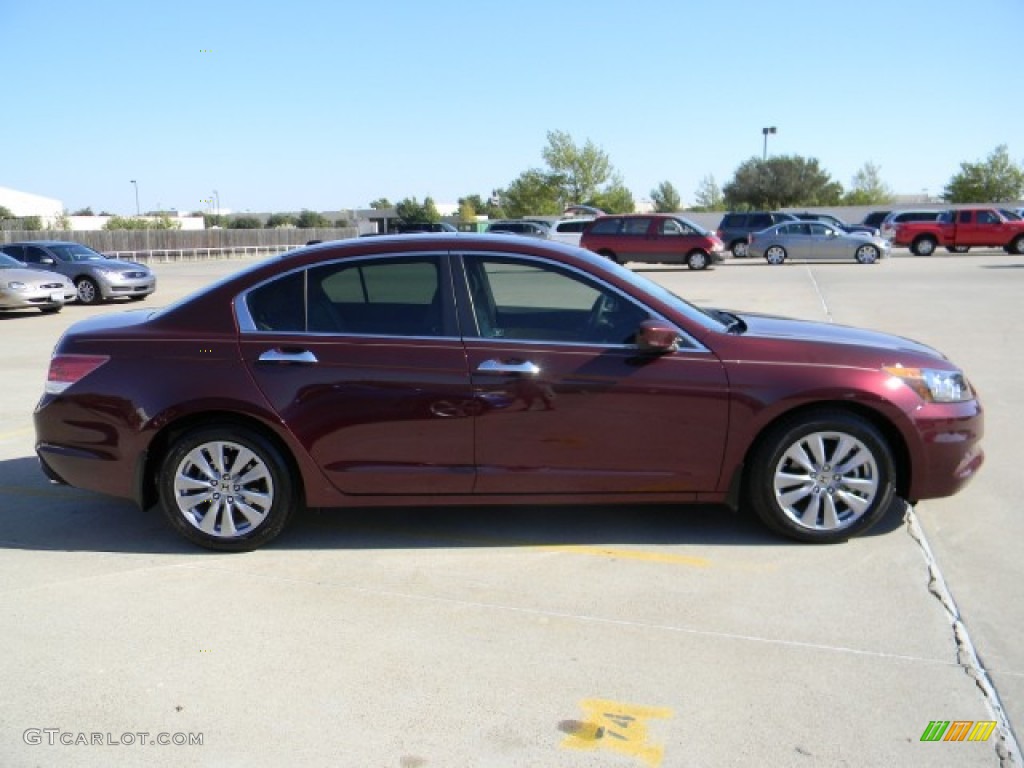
[87, 211]
[995, 180]
[32, 223]
[430, 210]
[5, 212]
[467, 211]
[381, 202]
[211, 220]
[867, 188]
[412, 211]
[781, 181]
[280, 220]
[245, 222]
[311, 220]
[580, 171]
[709, 195]
[534, 193]
[614, 198]
[666, 198]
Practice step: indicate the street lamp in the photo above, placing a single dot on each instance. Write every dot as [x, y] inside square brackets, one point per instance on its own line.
[216, 195]
[138, 212]
[771, 129]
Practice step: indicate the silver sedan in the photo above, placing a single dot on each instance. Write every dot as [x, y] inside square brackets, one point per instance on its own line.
[24, 288]
[815, 240]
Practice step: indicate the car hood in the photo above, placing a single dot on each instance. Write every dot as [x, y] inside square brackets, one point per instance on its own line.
[116, 264]
[784, 328]
[32, 276]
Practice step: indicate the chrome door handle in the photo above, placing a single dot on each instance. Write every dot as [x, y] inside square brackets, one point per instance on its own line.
[288, 356]
[498, 367]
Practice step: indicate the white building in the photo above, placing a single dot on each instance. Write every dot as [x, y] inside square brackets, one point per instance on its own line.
[26, 204]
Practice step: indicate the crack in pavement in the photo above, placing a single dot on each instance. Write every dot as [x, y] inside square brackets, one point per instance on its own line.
[821, 296]
[1006, 746]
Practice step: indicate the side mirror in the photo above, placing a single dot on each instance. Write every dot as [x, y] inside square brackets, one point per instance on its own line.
[657, 338]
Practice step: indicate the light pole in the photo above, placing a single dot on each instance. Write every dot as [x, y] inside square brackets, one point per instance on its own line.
[771, 129]
[138, 212]
[216, 196]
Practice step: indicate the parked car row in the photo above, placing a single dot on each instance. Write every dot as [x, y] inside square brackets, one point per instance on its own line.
[49, 273]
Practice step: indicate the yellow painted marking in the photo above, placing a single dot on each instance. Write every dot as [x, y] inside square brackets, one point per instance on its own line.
[626, 554]
[617, 727]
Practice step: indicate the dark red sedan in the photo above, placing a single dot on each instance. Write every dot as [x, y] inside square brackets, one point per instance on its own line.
[456, 369]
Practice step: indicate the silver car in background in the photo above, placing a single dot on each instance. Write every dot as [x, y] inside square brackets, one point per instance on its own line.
[96, 277]
[24, 288]
[815, 240]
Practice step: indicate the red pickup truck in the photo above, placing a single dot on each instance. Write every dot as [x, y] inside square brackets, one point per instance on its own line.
[961, 230]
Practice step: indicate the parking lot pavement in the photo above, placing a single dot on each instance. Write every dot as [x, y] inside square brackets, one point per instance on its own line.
[565, 637]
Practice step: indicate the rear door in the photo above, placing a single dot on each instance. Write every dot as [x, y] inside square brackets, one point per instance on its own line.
[362, 360]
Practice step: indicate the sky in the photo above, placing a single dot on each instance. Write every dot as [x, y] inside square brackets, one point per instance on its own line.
[280, 106]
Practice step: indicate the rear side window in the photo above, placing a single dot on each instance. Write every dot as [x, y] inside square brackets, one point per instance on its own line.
[606, 226]
[635, 226]
[733, 220]
[571, 226]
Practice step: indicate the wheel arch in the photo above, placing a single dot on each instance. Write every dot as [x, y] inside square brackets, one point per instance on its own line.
[148, 466]
[890, 432]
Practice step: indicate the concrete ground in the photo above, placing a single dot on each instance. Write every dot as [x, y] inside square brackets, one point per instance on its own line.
[533, 636]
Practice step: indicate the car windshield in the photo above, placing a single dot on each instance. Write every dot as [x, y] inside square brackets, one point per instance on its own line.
[9, 262]
[695, 227]
[75, 252]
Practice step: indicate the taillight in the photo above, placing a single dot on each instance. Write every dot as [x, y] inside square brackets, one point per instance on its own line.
[65, 370]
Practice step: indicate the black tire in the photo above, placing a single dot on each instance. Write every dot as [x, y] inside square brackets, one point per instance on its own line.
[137, 298]
[610, 255]
[697, 260]
[739, 249]
[88, 291]
[235, 517]
[923, 246]
[867, 254]
[958, 248]
[52, 309]
[1017, 246]
[800, 496]
[775, 254]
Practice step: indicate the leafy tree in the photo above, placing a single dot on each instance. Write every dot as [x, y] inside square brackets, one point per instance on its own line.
[998, 179]
[666, 198]
[5, 212]
[311, 220]
[411, 211]
[782, 181]
[614, 198]
[87, 211]
[580, 171]
[245, 222]
[381, 202]
[467, 212]
[534, 193]
[280, 220]
[867, 188]
[709, 196]
[32, 223]
[133, 222]
[211, 220]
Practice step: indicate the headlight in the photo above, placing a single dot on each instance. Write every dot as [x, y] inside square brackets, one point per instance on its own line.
[16, 286]
[933, 385]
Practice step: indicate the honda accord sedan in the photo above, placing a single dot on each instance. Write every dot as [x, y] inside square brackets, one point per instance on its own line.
[486, 370]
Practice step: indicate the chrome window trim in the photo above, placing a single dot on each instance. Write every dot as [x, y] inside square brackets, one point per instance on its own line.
[692, 345]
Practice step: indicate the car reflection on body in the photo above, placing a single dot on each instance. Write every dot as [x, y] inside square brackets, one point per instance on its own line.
[24, 288]
[487, 370]
[815, 240]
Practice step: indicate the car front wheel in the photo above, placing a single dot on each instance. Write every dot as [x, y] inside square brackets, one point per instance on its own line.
[697, 260]
[823, 477]
[776, 254]
[739, 249]
[867, 254]
[88, 290]
[226, 488]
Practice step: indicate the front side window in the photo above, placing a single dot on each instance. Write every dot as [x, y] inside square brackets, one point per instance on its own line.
[987, 217]
[528, 301]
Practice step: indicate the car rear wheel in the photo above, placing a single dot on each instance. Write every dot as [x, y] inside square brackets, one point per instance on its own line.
[739, 249]
[1018, 245]
[924, 246]
[867, 254]
[610, 255]
[226, 488]
[88, 291]
[697, 260]
[822, 477]
[775, 254]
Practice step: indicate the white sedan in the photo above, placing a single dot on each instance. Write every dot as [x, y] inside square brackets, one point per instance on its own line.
[24, 288]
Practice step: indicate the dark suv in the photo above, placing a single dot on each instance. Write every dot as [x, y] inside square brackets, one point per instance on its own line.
[735, 227]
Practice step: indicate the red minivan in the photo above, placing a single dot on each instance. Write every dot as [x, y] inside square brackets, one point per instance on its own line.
[652, 238]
